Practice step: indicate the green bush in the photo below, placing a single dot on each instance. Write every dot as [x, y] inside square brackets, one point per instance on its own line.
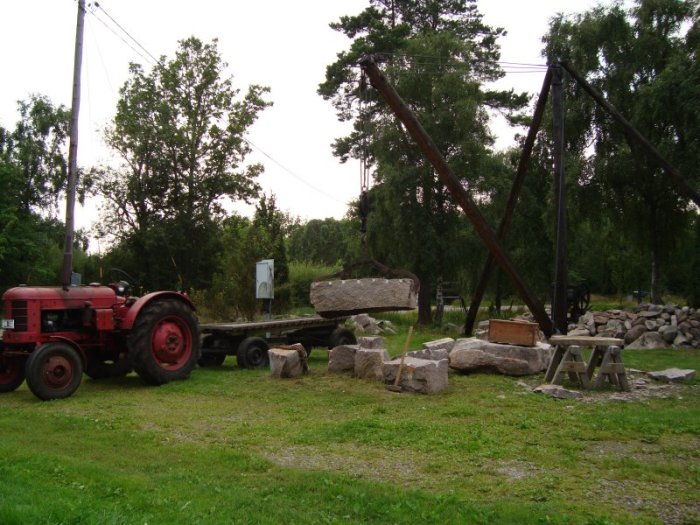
[301, 275]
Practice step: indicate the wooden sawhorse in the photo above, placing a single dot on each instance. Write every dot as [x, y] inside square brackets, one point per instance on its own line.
[606, 356]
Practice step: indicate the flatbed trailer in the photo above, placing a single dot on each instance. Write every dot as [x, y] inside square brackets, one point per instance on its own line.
[250, 341]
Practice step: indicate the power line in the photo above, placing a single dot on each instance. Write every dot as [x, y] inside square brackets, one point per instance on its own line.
[93, 13]
[295, 175]
[125, 31]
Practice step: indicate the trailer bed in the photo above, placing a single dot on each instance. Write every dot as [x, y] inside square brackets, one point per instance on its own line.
[275, 325]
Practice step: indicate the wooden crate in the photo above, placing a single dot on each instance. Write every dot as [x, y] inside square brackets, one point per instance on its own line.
[519, 333]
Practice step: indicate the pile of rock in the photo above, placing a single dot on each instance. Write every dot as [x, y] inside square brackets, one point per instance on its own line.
[647, 326]
[426, 370]
[423, 372]
[365, 324]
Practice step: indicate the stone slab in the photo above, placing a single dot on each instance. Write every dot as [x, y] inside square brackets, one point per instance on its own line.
[352, 296]
[369, 362]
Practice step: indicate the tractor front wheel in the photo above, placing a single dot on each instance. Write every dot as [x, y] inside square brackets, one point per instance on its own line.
[164, 342]
[11, 373]
[54, 371]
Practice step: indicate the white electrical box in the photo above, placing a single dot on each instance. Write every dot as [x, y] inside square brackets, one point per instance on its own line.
[265, 279]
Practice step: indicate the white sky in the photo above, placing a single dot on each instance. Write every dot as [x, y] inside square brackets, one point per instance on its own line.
[279, 43]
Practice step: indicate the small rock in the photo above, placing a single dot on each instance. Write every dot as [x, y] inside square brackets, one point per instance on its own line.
[648, 341]
[673, 375]
[558, 392]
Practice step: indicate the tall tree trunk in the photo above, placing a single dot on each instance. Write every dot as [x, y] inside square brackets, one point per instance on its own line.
[425, 316]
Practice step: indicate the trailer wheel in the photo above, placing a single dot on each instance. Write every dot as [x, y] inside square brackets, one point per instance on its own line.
[11, 373]
[98, 368]
[341, 336]
[54, 371]
[164, 342]
[252, 353]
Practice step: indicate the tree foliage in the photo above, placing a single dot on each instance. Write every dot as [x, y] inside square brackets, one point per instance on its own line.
[180, 131]
[439, 54]
[645, 61]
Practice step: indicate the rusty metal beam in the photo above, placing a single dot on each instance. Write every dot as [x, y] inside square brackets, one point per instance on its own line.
[652, 153]
[515, 190]
[430, 151]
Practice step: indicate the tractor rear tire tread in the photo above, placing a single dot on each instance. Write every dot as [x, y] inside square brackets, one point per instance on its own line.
[140, 341]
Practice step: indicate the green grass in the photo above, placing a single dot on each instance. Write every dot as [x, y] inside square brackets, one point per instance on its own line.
[234, 446]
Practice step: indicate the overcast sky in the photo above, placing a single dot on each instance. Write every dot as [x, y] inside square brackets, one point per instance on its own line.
[278, 43]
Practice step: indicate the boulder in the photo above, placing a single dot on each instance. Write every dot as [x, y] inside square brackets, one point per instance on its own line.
[669, 333]
[673, 375]
[648, 341]
[634, 333]
[470, 355]
[371, 342]
[342, 358]
[350, 296]
[288, 361]
[421, 376]
[369, 361]
[576, 332]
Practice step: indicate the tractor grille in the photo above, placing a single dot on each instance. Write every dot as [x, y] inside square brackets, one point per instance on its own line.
[19, 314]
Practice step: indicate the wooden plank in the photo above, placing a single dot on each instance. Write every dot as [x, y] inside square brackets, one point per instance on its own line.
[519, 333]
[554, 364]
[588, 341]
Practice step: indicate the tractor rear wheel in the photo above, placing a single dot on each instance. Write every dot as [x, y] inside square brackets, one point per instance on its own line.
[252, 353]
[164, 342]
[11, 373]
[54, 371]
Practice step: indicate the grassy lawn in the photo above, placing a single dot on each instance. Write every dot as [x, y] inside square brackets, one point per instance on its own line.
[234, 446]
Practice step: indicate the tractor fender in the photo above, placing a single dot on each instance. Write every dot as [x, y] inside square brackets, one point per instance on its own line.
[74, 345]
[134, 310]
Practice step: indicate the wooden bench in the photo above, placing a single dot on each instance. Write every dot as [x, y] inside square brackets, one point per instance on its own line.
[606, 356]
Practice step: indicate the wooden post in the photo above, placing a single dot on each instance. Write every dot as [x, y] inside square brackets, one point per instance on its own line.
[430, 151]
[512, 200]
[560, 254]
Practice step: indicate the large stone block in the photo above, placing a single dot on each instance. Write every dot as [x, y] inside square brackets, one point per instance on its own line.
[421, 376]
[469, 355]
[289, 361]
[342, 358]
[369, 361]
[374, 341]
[351, 296]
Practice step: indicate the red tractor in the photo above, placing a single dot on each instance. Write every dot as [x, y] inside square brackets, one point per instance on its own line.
[51, 335]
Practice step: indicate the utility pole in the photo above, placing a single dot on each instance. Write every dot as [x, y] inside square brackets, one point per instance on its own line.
[73, 151]
[560, 263]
